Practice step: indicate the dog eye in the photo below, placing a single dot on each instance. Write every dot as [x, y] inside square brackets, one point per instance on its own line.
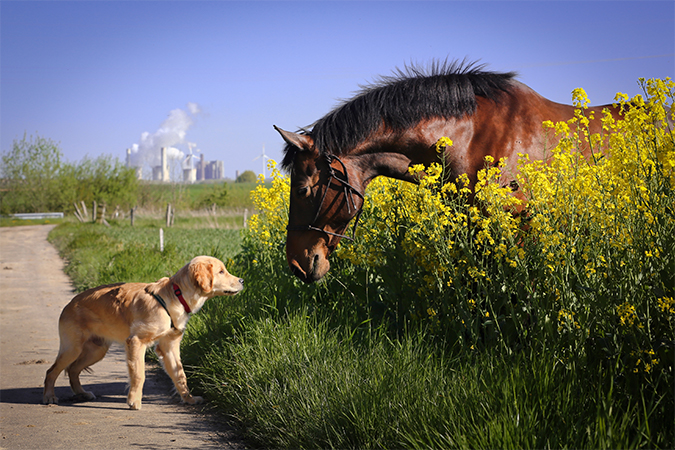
[222, 272]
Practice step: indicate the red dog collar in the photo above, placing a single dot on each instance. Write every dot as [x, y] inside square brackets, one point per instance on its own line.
[179, 294]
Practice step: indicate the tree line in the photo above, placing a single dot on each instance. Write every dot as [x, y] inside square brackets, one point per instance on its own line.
[35, 177]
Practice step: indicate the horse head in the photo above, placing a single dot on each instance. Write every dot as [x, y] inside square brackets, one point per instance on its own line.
[323, 201]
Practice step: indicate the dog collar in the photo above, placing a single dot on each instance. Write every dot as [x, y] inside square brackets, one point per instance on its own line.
[179, 294]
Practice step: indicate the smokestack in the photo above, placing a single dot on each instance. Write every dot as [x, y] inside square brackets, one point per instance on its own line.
[128, 157]
[200, 169]
[165, 166]
[189, 175]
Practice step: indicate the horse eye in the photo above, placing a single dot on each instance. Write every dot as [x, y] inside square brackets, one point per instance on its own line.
[303, 191]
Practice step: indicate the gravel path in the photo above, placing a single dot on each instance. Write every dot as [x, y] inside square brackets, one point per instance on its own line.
[33, 290]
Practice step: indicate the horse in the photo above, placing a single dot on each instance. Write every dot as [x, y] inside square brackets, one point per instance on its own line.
[394, 124]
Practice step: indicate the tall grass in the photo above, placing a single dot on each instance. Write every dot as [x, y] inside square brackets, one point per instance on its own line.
[100, 255]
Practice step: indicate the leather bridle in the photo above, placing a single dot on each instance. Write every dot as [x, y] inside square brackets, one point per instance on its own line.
[349, 192]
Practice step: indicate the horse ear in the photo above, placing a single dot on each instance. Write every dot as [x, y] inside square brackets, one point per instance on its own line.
[301, 141]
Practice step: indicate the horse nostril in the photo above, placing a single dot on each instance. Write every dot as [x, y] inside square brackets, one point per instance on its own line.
[315, 263]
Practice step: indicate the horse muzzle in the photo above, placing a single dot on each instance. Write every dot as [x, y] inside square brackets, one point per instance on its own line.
[308, 266]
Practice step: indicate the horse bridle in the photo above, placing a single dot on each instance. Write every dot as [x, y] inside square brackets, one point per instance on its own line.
[349, 192]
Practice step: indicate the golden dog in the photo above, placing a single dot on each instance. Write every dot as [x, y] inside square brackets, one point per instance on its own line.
[138, 315]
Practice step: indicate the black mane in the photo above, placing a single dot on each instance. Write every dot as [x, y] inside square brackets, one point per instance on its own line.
[402, 100]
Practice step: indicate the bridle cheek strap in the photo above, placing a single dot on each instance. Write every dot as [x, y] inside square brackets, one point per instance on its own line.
[348, 191]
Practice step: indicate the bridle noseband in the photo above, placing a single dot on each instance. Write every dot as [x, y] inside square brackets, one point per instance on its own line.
[349, 192]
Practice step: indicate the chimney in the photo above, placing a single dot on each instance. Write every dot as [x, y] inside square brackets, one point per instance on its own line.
[128, 157]
[200, 168]
[165, 166]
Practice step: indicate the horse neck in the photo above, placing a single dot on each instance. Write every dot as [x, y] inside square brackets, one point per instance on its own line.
[391, 153]
[500, 129]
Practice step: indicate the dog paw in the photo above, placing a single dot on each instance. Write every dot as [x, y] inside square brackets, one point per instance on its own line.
[194, 400]
[84, 396]
[134, 403]
[50, 399]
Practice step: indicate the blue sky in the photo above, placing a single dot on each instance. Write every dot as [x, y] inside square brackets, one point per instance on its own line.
[99, 77]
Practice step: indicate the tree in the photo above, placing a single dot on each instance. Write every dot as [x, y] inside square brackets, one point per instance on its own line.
[106, 180]
[247, 177]
[35, 178]
[216, 195]
[31, 177]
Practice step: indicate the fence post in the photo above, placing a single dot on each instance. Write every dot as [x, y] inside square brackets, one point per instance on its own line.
[245, 216]
[131, 215]
[85, 214]
[93, 212]
[101, 218]
[78, 213]
[169, 215]
[161, 240]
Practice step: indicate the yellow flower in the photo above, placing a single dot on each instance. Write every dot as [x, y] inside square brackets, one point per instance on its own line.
[443, 143]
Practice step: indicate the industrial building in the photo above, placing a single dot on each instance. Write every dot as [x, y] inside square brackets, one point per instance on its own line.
[211, 170]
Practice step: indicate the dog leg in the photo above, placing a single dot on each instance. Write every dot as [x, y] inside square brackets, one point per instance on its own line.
[93, 351]
[136, 365]
[168, 350]
[67, 354]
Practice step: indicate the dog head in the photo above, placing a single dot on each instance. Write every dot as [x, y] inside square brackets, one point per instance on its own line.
[210, 276]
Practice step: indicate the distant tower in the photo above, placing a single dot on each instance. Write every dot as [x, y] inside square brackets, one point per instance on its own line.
[165, 166]
[128, 157]
[200, 168]
[189, 175]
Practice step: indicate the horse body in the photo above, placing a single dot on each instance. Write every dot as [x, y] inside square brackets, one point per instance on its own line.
[330, 174]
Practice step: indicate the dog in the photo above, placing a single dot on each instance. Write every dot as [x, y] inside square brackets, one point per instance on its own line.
[137, 315]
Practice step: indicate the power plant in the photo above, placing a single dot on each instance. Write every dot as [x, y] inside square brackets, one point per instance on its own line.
[212, 170]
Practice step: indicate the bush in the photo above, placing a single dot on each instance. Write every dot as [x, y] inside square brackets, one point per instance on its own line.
[35, 178]
[246, 177]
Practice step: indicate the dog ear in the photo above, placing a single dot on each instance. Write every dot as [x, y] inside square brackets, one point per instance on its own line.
[202, 274]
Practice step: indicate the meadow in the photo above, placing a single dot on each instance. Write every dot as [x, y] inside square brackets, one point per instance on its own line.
[552, 329]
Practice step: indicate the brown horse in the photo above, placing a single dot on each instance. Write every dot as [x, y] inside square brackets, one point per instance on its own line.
[396, 123]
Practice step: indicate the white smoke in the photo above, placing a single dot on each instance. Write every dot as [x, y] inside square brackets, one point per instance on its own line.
[171, 133]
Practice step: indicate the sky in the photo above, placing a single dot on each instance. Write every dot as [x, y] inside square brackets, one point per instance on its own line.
[213, 77]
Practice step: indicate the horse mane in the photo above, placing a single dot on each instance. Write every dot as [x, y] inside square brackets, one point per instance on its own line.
[402, 100]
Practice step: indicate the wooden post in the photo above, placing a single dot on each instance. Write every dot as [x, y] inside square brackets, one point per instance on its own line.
[169, 215]
[245, 216]
[161, 240]
[101, 218]
[78, 213]
[85, 214]
[93, 212]
[131, 215]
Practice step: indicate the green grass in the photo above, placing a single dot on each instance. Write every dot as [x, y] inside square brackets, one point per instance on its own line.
[99, 255]
[188, 196]
[290, 366]
[297, 383]
[12, 222]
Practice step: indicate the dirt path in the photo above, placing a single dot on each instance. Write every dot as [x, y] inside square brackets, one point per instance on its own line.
[33, 290]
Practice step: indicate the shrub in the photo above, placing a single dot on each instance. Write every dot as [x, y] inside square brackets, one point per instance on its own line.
[35, 178]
